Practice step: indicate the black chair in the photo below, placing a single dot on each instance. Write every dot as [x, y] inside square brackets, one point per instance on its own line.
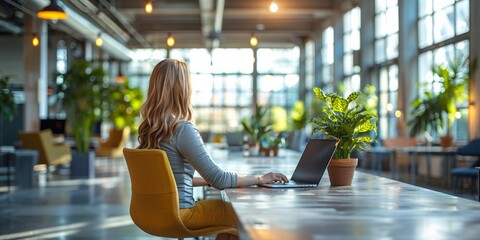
[462, 173]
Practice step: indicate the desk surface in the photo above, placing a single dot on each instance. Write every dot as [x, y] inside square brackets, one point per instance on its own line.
[372, 208]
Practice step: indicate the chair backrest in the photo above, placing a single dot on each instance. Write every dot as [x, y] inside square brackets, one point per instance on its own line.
[154, 206]
[38, 141]
[117, 137]
[471, 149]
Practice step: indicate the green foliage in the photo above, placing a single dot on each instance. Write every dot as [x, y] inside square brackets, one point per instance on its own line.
[278, 116]
[299, 116]
[7, 104]
[346, 120]
[368, 98]
[82, 94]
[272, 142]
[434, 110]
[257, 125]
[124, 103]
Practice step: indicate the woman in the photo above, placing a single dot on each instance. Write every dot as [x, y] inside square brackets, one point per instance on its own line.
[166, 125]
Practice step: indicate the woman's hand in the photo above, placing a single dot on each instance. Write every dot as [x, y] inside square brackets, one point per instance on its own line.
[273, 177]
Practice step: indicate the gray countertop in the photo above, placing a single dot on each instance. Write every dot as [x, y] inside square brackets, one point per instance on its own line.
[371, 208]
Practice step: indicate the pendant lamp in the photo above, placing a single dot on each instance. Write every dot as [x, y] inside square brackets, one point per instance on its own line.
[52, 12]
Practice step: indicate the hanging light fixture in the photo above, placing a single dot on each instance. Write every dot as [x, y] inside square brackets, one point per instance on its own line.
[52, 12]
[149, 6]
[170, 40]
[35, 40]
[273, 7]
[253, 40]
[99, 40]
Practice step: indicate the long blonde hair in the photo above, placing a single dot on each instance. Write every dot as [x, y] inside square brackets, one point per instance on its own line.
[167, 104]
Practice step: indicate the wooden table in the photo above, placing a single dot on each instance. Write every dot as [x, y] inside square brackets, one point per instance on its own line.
[448, 159]
[377, 155]
[371, 208]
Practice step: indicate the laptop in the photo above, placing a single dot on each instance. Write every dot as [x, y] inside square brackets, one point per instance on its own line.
[311, 166]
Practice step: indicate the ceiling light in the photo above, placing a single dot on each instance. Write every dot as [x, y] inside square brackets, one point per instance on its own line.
[52, 11]
[149, 7]
[99, 40]
[170, 40]
[253, 40]
[273, 7]
[35, 40]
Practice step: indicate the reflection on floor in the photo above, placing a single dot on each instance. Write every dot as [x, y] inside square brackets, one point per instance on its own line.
[63, 208]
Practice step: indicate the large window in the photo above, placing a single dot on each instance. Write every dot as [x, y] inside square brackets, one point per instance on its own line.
[327, 52]
[441, 20]
[443, 36]
[278, 80]
[386, 30]
[223, 85]
[386, 53]
[351, 47]
[444, 55]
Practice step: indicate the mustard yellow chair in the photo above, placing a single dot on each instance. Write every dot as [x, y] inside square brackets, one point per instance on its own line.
[113, 146]
[154, 206]
[49, 153]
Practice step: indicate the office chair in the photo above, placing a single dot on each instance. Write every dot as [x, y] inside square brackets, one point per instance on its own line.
[461, 173]
[154, 206]
[113, 146]
[48, 153]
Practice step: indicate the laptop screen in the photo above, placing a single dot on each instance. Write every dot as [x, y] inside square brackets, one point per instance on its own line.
[314, 161]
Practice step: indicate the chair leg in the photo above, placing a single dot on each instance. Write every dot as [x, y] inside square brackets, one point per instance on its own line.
[455, 182]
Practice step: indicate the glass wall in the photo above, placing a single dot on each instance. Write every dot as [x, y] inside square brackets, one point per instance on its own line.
[351, 47]
[443, 37]
[223, 85]
[327, 52]
[386, 54]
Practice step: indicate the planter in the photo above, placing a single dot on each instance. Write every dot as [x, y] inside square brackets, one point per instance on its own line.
[341, 171]
[82, 164]
[275, 151]
[446, 141]
[253, 149]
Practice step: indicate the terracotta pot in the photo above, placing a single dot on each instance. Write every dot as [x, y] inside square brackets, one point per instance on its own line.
[253, 149]
[267, 151]
[275, 151]
[341, 171]
[446, 141]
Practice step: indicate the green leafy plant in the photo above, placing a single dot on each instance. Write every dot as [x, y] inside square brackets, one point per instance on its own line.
[123, 104]
[272, 142]
[299, 116]
[257, 126]
[7, 104]
[345, 120]
[435, 110]
[82, 94]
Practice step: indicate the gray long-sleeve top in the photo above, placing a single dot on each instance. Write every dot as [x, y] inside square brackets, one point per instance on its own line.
[187, 154]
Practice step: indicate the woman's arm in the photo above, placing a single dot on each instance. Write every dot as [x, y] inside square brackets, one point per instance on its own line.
[199, 181]
[245, 181]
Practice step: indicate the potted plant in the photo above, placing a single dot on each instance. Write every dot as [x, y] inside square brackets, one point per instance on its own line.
[8, 108]
[435, 110]
[351, 124]
[124, 103]
[271, 144]
[256, 127]
[82, 95]
[7, 103]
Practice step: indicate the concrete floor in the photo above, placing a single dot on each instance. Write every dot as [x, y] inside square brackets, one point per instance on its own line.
[62, 208]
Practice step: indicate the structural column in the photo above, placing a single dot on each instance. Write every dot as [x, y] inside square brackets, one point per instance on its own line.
[474, 101]
[407, 57]
[36, 73]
